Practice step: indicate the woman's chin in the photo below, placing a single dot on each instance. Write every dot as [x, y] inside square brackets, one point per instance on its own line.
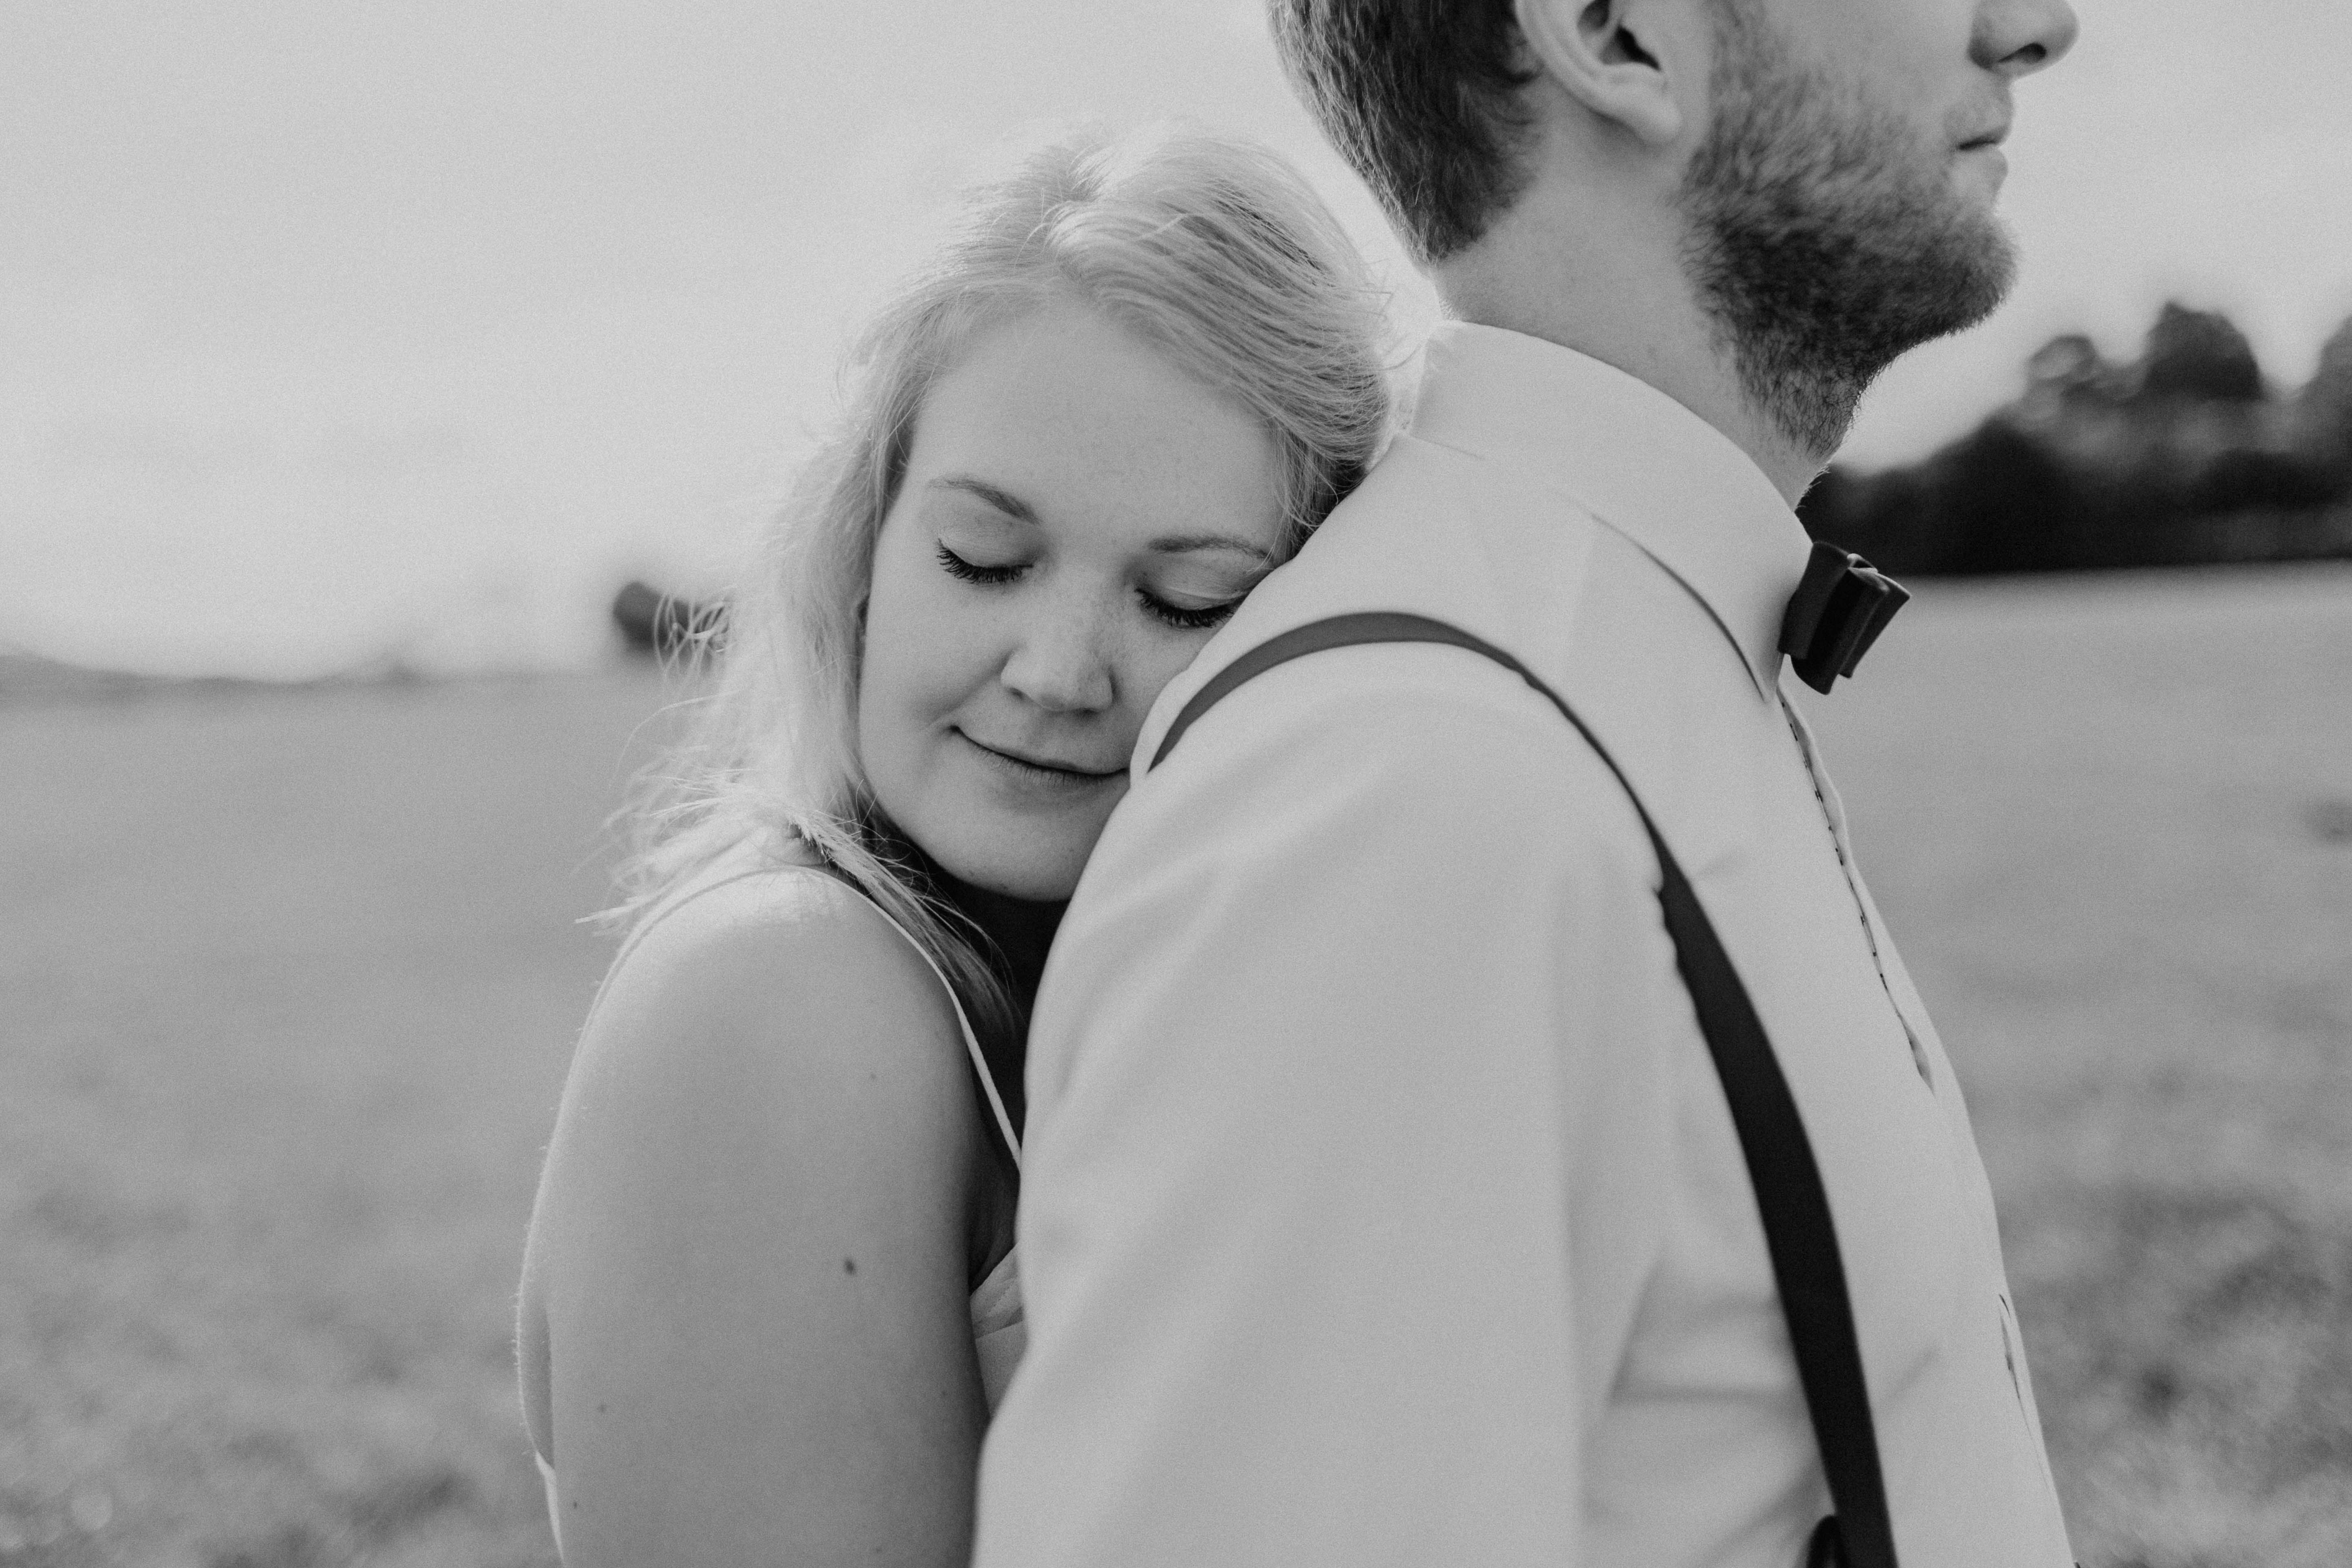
[1016, 838]
[1024, 868]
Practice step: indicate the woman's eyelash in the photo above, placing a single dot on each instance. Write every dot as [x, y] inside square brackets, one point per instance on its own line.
[970, 572]
[1181, 616]
[1189, 620]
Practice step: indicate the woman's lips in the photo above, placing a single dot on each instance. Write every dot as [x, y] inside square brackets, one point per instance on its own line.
[1043, 769]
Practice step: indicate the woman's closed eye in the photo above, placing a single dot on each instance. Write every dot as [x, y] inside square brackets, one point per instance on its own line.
[977, 572]
[1169, 612]
[1187, 617]
[1195, 590]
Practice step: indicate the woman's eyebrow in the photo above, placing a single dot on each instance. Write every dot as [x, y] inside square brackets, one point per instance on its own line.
[1012, 505]
[1020, 511]
[1178, 544]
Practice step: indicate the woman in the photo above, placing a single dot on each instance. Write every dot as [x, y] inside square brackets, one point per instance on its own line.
[769, 1297]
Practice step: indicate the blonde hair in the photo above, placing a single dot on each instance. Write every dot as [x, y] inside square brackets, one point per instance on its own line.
[1212, 249]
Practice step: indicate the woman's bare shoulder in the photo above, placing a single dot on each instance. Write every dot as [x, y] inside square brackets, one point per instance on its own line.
[789, 952]
[769, 1112]
[772, 1028]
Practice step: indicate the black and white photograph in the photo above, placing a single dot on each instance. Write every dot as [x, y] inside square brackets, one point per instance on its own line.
[1263, 783]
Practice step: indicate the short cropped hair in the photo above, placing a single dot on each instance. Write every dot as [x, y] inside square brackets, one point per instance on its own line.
[1422, 98]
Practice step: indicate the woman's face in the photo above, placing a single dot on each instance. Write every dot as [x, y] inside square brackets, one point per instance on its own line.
[1077, 517]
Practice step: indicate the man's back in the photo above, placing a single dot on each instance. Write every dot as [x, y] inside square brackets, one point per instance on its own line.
[1381, 1202]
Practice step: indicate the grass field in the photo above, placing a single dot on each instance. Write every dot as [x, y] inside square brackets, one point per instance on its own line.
[288, 980]
[2111, 822]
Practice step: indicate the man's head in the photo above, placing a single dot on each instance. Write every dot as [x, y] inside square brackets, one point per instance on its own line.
[1820, 173]
[1424, 98]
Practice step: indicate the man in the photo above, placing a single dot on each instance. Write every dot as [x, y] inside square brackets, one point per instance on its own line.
[1382, 1203]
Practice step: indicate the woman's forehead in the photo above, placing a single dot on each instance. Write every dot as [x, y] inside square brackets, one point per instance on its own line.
[1062, 414]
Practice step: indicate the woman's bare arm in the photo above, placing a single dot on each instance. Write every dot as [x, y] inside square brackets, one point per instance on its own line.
[745, 1320]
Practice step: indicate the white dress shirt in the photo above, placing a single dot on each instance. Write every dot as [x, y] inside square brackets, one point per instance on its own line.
[1380, 1202]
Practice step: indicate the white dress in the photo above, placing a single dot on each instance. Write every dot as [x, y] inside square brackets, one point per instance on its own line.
[999, 1334]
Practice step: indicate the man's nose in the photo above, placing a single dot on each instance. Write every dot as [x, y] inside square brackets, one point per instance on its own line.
[2018, 38]
[1063, 662]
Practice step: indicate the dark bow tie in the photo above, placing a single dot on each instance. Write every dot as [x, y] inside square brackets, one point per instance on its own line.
[1837, 612]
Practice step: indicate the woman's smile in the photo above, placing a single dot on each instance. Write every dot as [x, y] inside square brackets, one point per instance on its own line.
[1046, 779]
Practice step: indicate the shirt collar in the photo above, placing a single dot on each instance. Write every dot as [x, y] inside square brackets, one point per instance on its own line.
[1635, 459]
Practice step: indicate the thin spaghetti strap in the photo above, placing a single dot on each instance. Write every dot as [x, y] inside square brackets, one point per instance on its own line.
[970, 1040]
[644, 928]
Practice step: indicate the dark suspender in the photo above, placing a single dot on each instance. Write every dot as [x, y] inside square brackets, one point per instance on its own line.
[1795, 1210]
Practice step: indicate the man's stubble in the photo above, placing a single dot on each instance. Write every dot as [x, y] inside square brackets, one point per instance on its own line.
[1824, 236]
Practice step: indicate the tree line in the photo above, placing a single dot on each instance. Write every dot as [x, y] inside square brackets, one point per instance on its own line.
[2186, 455]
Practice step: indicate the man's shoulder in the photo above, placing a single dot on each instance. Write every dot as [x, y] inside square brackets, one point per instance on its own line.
[1420, 486]
[1391, 697]
[1449, 537]
[1376, 737]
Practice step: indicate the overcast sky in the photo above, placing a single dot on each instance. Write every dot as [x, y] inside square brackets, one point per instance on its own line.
[327, 329]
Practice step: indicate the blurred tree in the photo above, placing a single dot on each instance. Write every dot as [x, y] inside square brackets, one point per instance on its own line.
[653, 622]
[1997, 500]
[2198, 357]
[1876, 516]
[2005, 502]
[2065, 373]
[2177, 458]
[2250, 478]
[2324, 408]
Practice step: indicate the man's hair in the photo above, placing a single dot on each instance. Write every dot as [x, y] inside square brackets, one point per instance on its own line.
[1422, 98]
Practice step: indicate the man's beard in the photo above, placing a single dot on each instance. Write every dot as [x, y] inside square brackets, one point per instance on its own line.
[1823, 234]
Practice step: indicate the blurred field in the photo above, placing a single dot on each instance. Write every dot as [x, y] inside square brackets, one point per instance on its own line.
[2111, 822]
[288, 980]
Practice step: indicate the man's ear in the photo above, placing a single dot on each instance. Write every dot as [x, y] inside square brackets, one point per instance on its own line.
[1594, 49]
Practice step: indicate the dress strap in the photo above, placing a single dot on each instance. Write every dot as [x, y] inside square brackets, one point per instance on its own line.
[970, 1040]
[644, 928]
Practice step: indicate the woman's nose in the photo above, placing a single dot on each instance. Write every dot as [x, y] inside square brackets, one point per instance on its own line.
[2018, 38]
[1063, 662]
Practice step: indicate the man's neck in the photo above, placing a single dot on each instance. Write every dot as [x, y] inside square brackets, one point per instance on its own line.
[1576, 282]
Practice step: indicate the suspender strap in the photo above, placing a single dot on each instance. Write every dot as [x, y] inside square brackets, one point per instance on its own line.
[1797, 1229]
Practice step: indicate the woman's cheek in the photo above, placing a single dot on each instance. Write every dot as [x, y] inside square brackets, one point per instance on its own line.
[1163, 659]
[951, 640]
[909, 626]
